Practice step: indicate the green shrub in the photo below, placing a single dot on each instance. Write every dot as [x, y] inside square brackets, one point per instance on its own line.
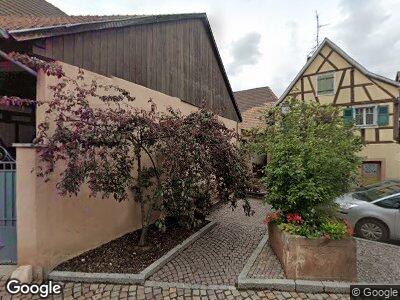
[312, 159]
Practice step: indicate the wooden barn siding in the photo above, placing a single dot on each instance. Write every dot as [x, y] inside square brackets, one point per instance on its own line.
[175, 58]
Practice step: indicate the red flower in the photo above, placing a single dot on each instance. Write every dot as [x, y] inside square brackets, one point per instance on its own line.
[271, 217]
[294, 218]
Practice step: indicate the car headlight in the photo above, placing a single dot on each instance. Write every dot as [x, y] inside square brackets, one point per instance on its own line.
[347, 205]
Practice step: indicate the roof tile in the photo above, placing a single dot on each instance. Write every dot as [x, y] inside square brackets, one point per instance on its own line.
[252, 103]
[29, 8]
[28, 22]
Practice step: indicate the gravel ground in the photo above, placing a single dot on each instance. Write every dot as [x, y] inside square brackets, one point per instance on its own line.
[378, 262]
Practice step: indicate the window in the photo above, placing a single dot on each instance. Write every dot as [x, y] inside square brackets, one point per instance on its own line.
[325, 84]
[393, 203]
[365, 116]
[371, 115]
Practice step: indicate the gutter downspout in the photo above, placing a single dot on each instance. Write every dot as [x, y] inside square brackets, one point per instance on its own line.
[21, 65]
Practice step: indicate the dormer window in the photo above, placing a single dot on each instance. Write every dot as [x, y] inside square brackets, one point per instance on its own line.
[326, 84]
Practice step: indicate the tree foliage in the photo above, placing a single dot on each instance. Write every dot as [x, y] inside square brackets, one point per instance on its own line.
[199, 162]
[172, 163]
[312, 158]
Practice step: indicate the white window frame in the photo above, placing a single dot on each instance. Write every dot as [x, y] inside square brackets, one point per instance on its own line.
[364, 125]
[334, 83]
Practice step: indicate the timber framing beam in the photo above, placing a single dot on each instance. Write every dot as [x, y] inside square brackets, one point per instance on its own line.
[312, 89]
[339, 86]
[326, 59]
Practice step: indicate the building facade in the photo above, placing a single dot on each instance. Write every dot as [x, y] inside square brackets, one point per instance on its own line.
[371, 101]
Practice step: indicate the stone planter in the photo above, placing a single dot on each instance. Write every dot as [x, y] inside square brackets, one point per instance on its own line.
[314, 259]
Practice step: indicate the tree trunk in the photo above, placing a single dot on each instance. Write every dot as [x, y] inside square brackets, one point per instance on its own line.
[143, 235]
[139, 195]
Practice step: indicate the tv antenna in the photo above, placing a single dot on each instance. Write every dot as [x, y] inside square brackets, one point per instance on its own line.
[319, 26]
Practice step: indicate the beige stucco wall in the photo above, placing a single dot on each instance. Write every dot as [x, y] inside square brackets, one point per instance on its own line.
[388, 149]
[52, 228]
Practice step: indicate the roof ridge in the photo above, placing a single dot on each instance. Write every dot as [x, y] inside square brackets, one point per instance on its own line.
[345, 56]
[261, 87]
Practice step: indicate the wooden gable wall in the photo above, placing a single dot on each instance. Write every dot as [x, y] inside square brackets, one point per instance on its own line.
[352, 89]
[175, 58]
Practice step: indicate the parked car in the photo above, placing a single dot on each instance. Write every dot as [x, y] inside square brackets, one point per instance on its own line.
[374, 211]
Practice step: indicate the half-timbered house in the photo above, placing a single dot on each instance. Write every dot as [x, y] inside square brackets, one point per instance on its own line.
[371, 101]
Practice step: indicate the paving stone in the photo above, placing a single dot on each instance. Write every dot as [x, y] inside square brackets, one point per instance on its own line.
[220, 255]
[217, 258]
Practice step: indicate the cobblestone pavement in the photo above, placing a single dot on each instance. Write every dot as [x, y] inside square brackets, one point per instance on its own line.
[267, 265]
[214, 260]
[220, 255]
[109, 291]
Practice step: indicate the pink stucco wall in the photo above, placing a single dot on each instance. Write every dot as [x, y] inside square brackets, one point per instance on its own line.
[51, 228]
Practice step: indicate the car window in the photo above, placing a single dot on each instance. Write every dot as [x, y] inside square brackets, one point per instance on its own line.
[393, 202]
[378, 192]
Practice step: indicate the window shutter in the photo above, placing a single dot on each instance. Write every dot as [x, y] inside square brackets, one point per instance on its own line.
[383, 115]
[321, 85]
[325, 84]
[348, 115]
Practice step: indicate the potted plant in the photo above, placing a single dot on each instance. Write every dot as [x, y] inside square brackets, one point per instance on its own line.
[312, 159]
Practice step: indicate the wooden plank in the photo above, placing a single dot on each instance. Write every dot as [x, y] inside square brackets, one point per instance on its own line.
[302, 88]
[367, 93]
[87, 50]
[313, 90]
[362, 130]
[358, 85]
[352, 85]
[126, 49]
[111, 51]
[326, 59]
[58, 48]
[339, 86]
[324, 72]
[103, 52]
[376, 134]
[365, 102]
[180, 59]
[96, 48]
[396, 120]
[78, 50]
[69, 48]
[380, 142]
[49, 47]
[119, 52]
[382, 88]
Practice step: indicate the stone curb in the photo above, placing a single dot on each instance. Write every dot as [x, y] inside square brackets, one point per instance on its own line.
[290, 285]
[138, 278]
[253, 257]
[193, 286]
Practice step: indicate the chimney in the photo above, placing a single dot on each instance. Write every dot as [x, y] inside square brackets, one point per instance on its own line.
[398, 76]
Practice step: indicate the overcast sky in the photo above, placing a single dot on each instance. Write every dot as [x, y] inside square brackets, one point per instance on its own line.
[266, 42]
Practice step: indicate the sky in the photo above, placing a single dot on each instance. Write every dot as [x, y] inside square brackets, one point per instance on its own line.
[266, 42]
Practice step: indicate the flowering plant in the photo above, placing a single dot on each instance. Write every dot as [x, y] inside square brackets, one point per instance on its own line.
[272, 218]
[294, 218]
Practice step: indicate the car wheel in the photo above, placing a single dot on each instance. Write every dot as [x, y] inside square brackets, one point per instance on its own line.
[372, 229]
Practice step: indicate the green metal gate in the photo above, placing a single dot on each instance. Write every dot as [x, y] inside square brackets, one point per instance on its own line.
[8, 229]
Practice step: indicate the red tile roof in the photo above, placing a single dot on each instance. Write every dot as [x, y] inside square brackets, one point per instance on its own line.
[252, 103]
[11, 23]
[29, 8]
